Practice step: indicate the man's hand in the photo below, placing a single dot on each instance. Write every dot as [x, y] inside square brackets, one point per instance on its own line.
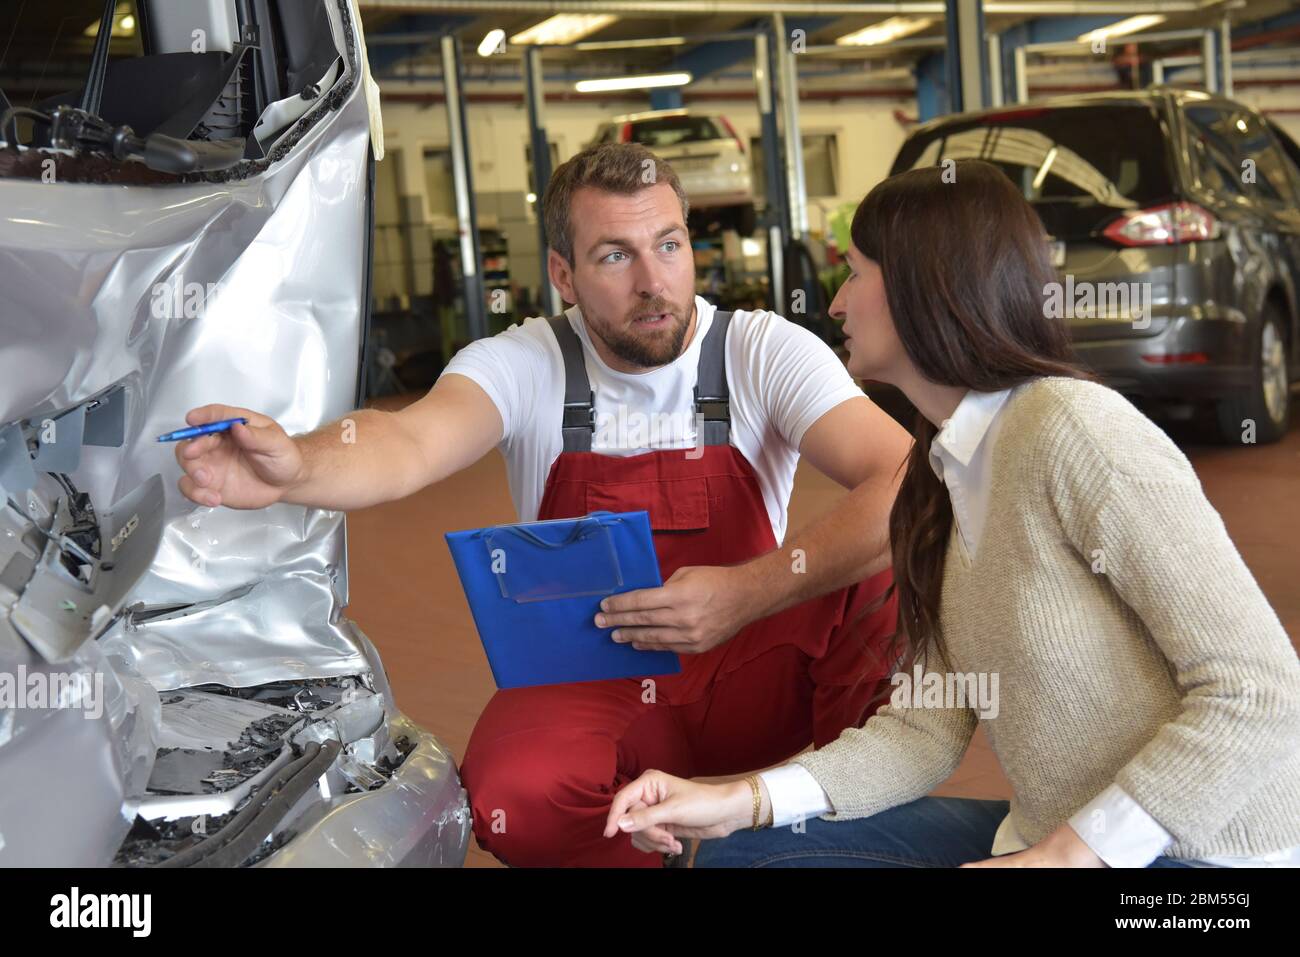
[697, 609]
[1061, 848]
[250, 466]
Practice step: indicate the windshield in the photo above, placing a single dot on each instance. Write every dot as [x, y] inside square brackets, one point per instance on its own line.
[672, 130]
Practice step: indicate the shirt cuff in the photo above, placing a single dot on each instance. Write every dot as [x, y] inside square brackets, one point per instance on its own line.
[1119, 830]
[794, 793]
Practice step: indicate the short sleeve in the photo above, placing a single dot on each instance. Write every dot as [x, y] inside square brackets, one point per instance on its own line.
[796, 378]
[513, 368]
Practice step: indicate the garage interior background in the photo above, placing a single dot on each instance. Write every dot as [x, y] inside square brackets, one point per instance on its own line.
[866, 75]
[856, 107]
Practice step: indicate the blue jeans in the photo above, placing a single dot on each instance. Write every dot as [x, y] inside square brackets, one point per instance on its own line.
[929, 832]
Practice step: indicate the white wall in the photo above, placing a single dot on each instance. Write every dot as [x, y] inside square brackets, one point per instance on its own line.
[867, 131]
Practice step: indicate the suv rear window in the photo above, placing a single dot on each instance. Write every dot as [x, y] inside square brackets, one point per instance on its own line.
[671, 130]
[1078, 166]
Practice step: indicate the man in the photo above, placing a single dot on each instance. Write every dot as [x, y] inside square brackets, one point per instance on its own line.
[642, 396]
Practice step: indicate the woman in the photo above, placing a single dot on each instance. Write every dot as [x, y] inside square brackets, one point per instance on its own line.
[1050, 545]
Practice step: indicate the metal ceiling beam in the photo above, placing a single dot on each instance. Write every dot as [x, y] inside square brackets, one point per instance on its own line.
[675, 8]
[407, 37]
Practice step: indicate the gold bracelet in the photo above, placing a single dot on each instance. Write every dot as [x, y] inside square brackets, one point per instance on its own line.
[758, 804]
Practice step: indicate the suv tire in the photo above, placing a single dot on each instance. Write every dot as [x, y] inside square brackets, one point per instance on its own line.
[1267, 401]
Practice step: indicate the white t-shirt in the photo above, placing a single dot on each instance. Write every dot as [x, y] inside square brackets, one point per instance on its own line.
[782, 379]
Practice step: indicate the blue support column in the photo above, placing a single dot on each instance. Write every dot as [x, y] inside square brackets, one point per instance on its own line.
[666, 98]
[931, 86]
[966, 60]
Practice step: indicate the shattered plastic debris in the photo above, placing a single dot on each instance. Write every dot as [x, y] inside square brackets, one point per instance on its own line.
[260, 742]
[196, 771]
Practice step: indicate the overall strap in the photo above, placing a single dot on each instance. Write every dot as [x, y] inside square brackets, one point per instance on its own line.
[579, 420]
[712, 399]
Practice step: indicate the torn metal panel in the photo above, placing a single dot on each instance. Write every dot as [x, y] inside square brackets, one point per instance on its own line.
[70, 773]
[200, 720]
[87, 569]
[186, 771]
[59, 441]
[17, 474]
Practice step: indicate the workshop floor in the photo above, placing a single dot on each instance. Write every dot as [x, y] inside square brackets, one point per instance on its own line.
[405, 594]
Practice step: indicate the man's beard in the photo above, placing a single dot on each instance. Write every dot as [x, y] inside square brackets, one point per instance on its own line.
[648, 351]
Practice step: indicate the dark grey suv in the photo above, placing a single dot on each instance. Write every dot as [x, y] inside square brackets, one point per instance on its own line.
[1175, 223]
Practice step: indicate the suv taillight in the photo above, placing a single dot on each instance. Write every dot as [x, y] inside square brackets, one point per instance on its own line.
[1165, 225]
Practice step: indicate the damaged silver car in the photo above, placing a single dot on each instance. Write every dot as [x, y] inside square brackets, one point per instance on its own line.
[179, 686]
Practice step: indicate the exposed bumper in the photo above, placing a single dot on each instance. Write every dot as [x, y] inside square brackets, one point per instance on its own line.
[1134, 367]
[419, 818]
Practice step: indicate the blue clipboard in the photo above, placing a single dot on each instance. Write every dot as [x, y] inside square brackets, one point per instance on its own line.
[534, 589]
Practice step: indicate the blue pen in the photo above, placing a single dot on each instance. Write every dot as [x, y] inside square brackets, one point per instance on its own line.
[222, 426]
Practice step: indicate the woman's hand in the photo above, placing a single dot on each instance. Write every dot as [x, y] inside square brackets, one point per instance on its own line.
[658, 808]
[1061, 848]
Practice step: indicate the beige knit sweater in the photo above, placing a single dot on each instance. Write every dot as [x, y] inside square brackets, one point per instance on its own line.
[1164, 671]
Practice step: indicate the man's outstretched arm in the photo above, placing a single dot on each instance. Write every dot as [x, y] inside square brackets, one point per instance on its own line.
[367, 457]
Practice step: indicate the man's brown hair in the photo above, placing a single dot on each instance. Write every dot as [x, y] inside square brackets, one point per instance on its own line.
[625, 168]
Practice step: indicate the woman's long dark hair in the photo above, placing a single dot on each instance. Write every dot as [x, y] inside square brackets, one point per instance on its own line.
[965, 265]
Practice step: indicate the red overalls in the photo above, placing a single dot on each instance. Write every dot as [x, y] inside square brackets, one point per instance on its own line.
[543, 763]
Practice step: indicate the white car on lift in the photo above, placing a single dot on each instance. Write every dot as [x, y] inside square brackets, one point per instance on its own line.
[708, 156]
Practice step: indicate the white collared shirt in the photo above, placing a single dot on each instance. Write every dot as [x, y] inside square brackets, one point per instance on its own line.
[961, 455]
[1116, 827]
